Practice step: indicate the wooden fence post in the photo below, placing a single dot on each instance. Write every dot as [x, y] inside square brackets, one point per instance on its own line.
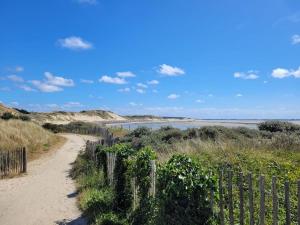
[230, 198]
[241, 195]
[262, 200]
[24, 160]
[251, 204]
[298, 216]
[274, 201]
[222, 222]
[287, 203]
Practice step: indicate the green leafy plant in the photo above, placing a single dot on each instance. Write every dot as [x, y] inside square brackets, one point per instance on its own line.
[183, 193]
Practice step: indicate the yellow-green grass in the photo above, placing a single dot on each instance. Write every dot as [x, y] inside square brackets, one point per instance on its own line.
[37, 140]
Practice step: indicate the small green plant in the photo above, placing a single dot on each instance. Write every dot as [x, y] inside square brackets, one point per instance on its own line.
[8, 116]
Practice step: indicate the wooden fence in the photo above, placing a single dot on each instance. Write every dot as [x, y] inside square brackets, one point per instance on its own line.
[13, 162]
[241, 199]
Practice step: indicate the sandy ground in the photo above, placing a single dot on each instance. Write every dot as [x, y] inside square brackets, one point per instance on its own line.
[46, 195]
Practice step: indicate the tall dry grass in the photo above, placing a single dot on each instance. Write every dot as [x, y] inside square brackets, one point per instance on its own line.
[17, 133]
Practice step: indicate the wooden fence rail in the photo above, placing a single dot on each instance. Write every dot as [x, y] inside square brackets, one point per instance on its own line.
[13, 162]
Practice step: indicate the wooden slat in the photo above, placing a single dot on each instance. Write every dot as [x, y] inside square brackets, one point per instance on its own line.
[251, 203]
[221, 203]
[274, 201]
[262, 200]
[241, 196]
[230, 198]
[287, 203]
[298, 187]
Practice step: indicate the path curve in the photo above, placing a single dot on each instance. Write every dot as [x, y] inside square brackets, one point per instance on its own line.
[47, 195]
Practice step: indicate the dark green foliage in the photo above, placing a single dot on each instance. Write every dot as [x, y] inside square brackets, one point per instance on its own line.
[110, 219]
[8, 116]
[183, 190]
[142, 170]
[141, 131]
[23, 111]
[278, 126]
[123, 195]
[24, 118]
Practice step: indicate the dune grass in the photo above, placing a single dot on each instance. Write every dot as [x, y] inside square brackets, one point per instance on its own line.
[17, 133]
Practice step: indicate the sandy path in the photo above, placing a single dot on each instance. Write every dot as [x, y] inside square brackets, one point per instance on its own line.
[47, 195]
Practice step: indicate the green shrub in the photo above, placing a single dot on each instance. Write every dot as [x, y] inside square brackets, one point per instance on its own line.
[183, 193]
[142, 171]
[94, 201]
[8, 116]
[24, 118]
[278, 126]
[109, 219]
[140, 131]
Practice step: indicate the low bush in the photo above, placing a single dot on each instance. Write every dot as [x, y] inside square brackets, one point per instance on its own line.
[8, 116]
[110, 219]
[183, 190]
[278, 126]
[95, 201]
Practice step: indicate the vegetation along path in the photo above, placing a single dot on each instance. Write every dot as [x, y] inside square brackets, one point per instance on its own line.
[47, 195]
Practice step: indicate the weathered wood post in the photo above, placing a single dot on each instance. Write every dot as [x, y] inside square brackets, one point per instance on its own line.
[287, 203]
[275, 201]
[24, 160]
[221, 204]
[251, 204]
[241, 194]
[298, 216]
[230, 198]
[262, 200]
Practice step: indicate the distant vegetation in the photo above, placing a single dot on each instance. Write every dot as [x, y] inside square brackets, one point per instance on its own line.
[185, 158]
[9, 115]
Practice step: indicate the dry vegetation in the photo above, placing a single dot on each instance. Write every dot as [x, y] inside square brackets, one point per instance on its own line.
[16, 133]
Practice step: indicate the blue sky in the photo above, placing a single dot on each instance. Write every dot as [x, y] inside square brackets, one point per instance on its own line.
[202, 59]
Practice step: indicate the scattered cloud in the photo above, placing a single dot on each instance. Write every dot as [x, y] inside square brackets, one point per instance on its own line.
[141, 85]
[44, 87]
[239, 95]
[155, 91]
[15, 78]
[135, 104]
[281, 73]
[72, 105]
[127, 89]
[112, 80]
[141, 91]
[75, 43]
[26, 88]
[200, 101]
[153, 82]
[250, 75]
[86, 81]
[14, 104]
[90, 2]
[170, 70]
[296, 39]
[210, 95]
[4, 89]
[58, 81]
[173, 96]
[125, 74]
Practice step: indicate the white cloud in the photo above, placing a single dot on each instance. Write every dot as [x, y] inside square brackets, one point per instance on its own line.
[141, 85]
[239, 95]
[125, 74]
[75, 43]
[173, 96]
[153, 82]
[200, 101]
[26, 88]
[135, 104]
[86, 81]
[44, 87]
[53, 105]
[296, 39]
[58, 81]
[14, 103]
[15, 78]
[112, 80]
[170, 70]
[90, 2]
[141, 91]
[283, 73]
[155, 91]
[250, 75]
[210, 95]
[72, 105]
[124, 89]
